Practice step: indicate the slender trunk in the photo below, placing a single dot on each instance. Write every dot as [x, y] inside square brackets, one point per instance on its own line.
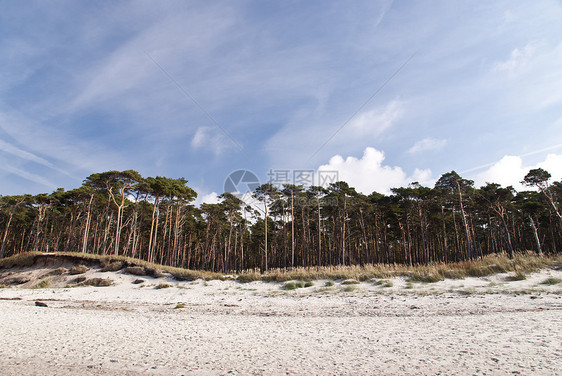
[265, 224]
[445, 246]
[319, 234]
[5, 236]
[536, 234]
[343, 231]
[292, 230]
[468, 245]
[227, 253]
[152, 239]
[87, 226]
[508, 236]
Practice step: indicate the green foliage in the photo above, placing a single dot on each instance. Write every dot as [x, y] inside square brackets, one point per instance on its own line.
[551, 281]
[426, 277]
[290, 286]
[329, 283]
[152, 218]
[293, 285]
[43, 284]
[162, 286]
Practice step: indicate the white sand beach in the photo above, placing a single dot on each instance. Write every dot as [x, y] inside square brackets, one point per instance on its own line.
[473, 326]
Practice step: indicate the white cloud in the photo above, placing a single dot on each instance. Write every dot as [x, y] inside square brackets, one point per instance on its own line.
[208, 198]
[510, 171]
[553, 164]
[210, 138]
[518, 59]
[368, 174]
[427, 144]
[375, 122]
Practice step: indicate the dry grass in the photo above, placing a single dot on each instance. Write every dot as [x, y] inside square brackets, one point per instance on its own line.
[162, 286]
[98, 282]
[78, 269]
[518, 276]
[111, 266]
[523, 263]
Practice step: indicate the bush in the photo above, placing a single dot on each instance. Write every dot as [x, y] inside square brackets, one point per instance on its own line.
[78, 280]
[98, 282]
[329, 283]
[43, 284]
[153, 272]
[112, 266]
[297, 285]
[135, 270]
[551, 281]
[163, 286]
[350, 282]
[179, 305]
[78, 269]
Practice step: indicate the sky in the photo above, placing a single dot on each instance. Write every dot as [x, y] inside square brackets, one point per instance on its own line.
[385, 93]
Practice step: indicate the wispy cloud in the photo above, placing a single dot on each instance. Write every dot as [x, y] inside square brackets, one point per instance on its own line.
[40, 180]
[209, 138]
[374, 122]
[427, 144]
[517, 61]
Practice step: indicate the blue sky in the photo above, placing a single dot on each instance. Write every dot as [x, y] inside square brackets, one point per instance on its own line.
[202, 88]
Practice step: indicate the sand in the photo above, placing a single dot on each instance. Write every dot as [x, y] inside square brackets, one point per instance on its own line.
[475, 326]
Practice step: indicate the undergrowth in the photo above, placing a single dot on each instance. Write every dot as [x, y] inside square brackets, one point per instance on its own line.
[522, 263]
[551, 281]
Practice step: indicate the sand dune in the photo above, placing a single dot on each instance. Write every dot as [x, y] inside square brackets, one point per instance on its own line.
[486, 326]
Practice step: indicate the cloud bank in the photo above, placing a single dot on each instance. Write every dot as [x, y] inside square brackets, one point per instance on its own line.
[369, 173]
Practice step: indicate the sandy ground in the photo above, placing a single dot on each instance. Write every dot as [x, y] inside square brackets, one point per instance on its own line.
[489, 326]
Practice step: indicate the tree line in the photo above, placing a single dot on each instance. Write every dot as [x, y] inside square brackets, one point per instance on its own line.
[155, 219]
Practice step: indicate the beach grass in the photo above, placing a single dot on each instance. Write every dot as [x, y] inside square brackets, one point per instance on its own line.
[521, 264]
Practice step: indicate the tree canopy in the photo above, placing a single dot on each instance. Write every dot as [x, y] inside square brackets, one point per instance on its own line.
[154, 219]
